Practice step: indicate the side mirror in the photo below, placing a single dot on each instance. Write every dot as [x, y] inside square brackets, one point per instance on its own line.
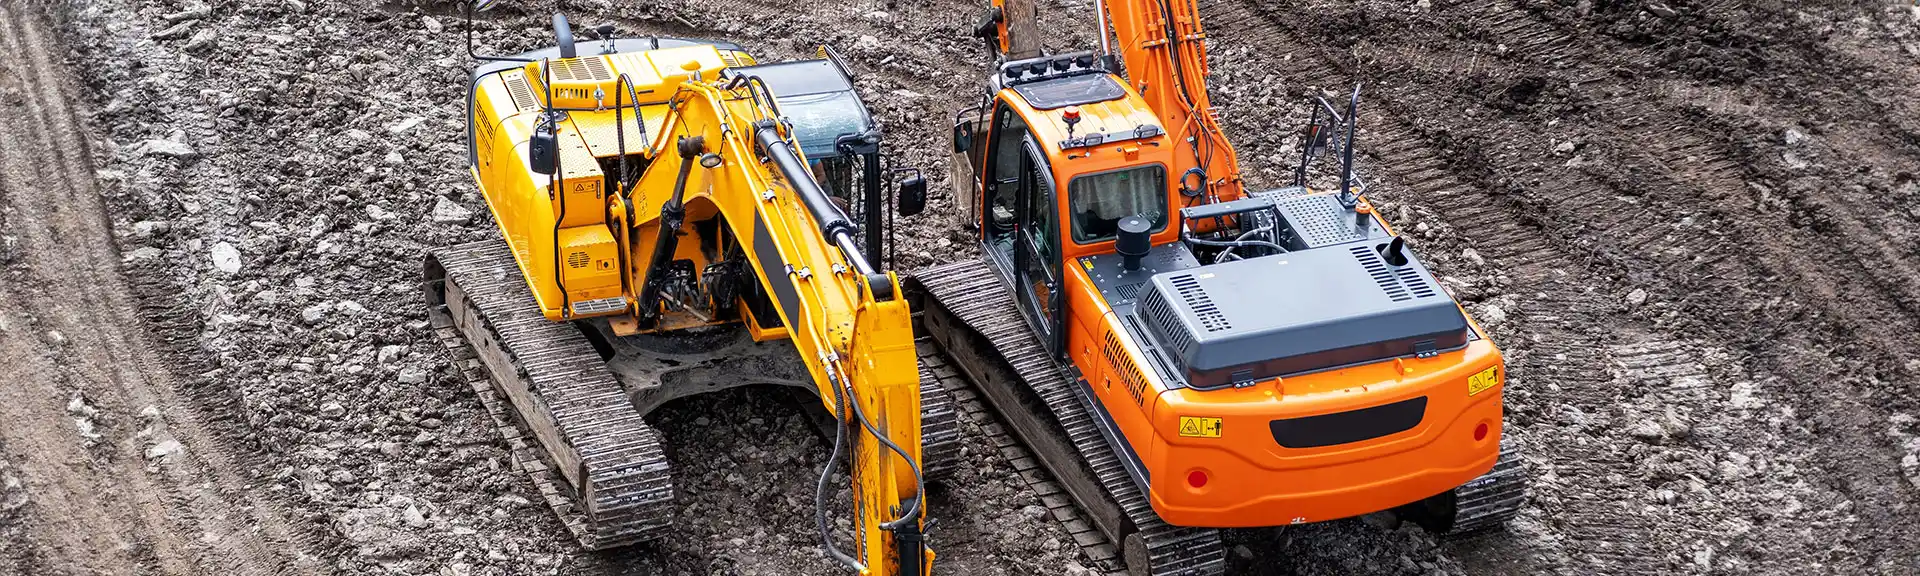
[543, 151]
[912, 199]
[962, 137]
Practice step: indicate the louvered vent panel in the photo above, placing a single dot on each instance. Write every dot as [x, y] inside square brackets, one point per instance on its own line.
[522, 92]
[1156, 309]
[1419, 286]
[1202, 305]
[1124, 367]
[1382, 275]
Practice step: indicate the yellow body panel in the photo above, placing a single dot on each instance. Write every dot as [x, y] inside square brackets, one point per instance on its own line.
[849, 339]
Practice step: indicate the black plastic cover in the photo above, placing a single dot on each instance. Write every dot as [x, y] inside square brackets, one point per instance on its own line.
[1351, 426]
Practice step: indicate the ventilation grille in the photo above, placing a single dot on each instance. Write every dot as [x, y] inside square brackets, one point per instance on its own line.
[577, 260]
[522, 93]
[1400, 285]
[1320, 220]
[1201, 304]
[1125, 369]
[1419, 286]
[572, 94]
[1381, 275]
[581, 70]
[1128, 291]
[1156, 309]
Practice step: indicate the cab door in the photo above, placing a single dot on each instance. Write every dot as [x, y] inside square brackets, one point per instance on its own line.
[1037, 255]
[1000, 181]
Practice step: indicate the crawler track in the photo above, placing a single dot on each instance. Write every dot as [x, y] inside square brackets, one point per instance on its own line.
[938, 374]
[970, 314]
[551, 398]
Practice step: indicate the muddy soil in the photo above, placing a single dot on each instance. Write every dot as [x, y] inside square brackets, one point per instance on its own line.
[1688, 223]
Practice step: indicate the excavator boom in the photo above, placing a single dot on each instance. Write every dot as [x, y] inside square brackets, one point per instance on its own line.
[1163, 46]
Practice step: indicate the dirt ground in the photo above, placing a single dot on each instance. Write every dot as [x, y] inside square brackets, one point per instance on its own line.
[1689, 224]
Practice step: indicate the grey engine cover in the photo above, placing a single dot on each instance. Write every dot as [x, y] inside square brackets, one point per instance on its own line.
[1254, 319]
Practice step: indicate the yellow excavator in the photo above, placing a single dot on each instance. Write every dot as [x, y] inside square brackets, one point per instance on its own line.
[679, 218]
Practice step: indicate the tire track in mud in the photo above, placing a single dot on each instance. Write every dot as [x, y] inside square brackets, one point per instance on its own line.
[1539, 223]
[146, 489]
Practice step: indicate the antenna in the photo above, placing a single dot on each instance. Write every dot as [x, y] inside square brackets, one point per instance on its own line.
[1347, 197]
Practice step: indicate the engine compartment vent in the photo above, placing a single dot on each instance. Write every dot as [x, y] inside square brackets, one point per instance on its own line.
[1200, 303]
[577, 260]
[1161, 314]
[521, 91]
[1400, 284]
[1124, 367]
[592, 69]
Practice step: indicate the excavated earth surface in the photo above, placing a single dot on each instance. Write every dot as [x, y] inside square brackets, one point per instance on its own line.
[1689, 224]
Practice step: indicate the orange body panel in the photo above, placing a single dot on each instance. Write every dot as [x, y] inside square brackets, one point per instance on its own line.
[1250, 479]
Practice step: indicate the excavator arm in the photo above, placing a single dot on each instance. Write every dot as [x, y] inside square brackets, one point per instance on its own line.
[1164, 49]
[724, 148]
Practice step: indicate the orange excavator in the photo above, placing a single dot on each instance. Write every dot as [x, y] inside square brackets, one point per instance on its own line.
[1183, 353]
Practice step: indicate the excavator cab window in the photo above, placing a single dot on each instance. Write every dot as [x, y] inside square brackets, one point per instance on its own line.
[1100, 200]
[1003, 180]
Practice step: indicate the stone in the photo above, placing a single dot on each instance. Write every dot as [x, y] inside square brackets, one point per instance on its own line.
[1034, 511]
[413, 517]
[1564, 148]
[1492, 314]
[140, 254]
[314, 313]
[1794, 137]
[192, 13]
[447, 211]
[413, 375]
[1637, 297]
[203, 39]
[149, 228]
[169, 148]
[392, 353]
[226, 258]
[163, 449]
[176, 31]
[403, 126]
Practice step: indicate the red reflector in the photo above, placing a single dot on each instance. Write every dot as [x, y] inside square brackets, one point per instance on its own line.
[1480, 432]
[1197, 479]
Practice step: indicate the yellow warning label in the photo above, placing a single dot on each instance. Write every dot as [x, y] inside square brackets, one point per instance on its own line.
[1481, 382]
[1197, 427]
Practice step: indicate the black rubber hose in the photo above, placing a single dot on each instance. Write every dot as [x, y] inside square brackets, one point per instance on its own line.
[826, 476]
[1235, 243]
[919, 483]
